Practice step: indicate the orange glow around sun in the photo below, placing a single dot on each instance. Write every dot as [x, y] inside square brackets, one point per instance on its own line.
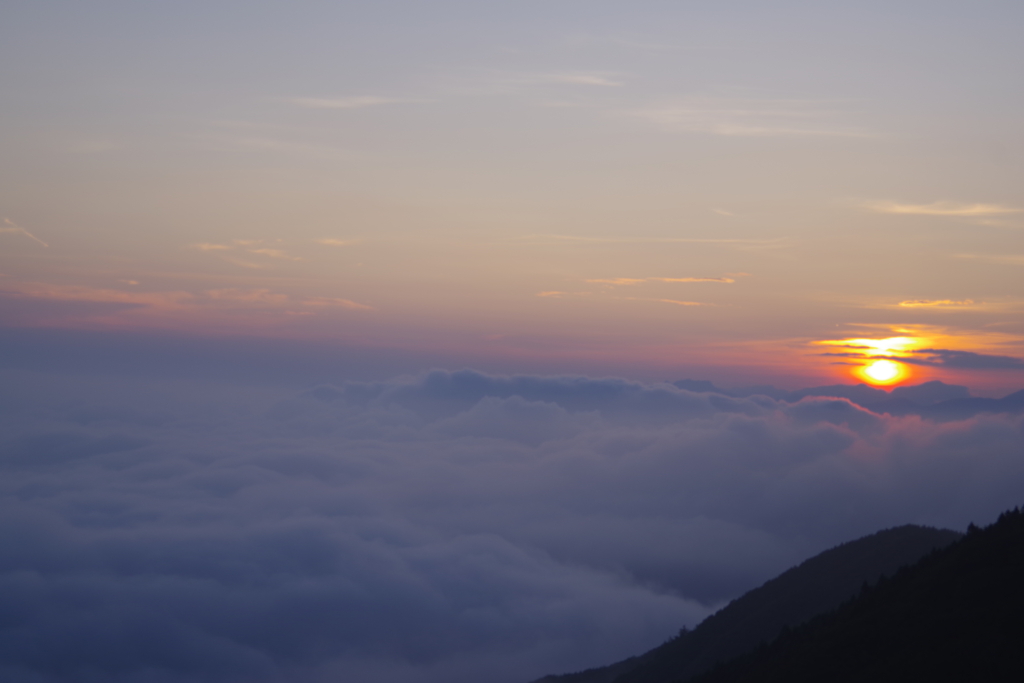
[869, 367]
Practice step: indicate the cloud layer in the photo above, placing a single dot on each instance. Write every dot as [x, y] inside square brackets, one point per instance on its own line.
[444, 527]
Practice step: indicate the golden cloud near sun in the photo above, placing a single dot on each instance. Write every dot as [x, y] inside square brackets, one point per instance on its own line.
[889, 345]
[875, 370]
[900, 353]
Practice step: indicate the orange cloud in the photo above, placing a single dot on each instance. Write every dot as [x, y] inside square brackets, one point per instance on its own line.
[919, 303]
[256, 247]
[677, 302]
[943, 209]
[555, 294]
[636, 281]
[249, 296]
[340, 303]
[212, 309]
[40, 290]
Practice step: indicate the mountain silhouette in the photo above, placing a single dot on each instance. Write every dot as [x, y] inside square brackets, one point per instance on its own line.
[957, 615]
[816, 586]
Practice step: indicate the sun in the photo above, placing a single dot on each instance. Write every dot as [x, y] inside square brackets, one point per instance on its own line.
[883, 372]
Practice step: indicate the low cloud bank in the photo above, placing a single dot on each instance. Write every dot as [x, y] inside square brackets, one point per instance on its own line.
[446, 527]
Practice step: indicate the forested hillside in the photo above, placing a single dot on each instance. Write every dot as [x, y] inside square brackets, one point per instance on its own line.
[957, 615]
[817, 585]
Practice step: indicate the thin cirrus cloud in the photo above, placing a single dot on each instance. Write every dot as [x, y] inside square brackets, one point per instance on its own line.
[12, 228]
[79, 293]
[112, 307]
[496, 82]
[603, 79]
[675, 302]
[747, 118]
[733, 242]
[557, 294]
[629, 281]
[275, 253]
[206, 246]
[576, 78]
[334, 242]
[953, 209]
[228, 252]
[936, 303]
[242, 263]
[355, 102]
[325, 302]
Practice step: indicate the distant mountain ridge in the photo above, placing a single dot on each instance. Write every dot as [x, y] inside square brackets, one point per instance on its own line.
[934, 400]
[815, 586]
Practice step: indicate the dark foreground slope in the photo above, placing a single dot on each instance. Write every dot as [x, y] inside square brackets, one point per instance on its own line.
[818, 585]
[957, 615]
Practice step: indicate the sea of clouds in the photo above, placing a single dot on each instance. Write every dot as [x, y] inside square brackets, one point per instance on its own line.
[442, 528]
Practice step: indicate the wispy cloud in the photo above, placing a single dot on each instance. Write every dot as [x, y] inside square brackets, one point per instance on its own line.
[927, 346]
[10, 227]
[772, 243]
[81, 293]
[334, 242]
[262, 297]
[866, 346]
[229, 252]
[555, 294]
[242, 263]
[165, 307]
[935, 303]
[322, 301]
[354, 102]
[632, 43]
[636, 281]
[579, 78]
[748, 117]
[943, 209]
[487, 81]
[275, 253]
[603, 79]
[675, 302]
[682, 303]
[284, 146]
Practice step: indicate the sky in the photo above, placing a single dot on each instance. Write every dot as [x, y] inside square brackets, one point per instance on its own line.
[654, 189]
[337, 339]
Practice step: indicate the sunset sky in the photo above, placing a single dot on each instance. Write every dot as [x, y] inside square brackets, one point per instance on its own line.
[337, 339]
[655, 189]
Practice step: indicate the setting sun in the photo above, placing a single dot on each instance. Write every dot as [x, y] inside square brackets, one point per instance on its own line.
[883, 372]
